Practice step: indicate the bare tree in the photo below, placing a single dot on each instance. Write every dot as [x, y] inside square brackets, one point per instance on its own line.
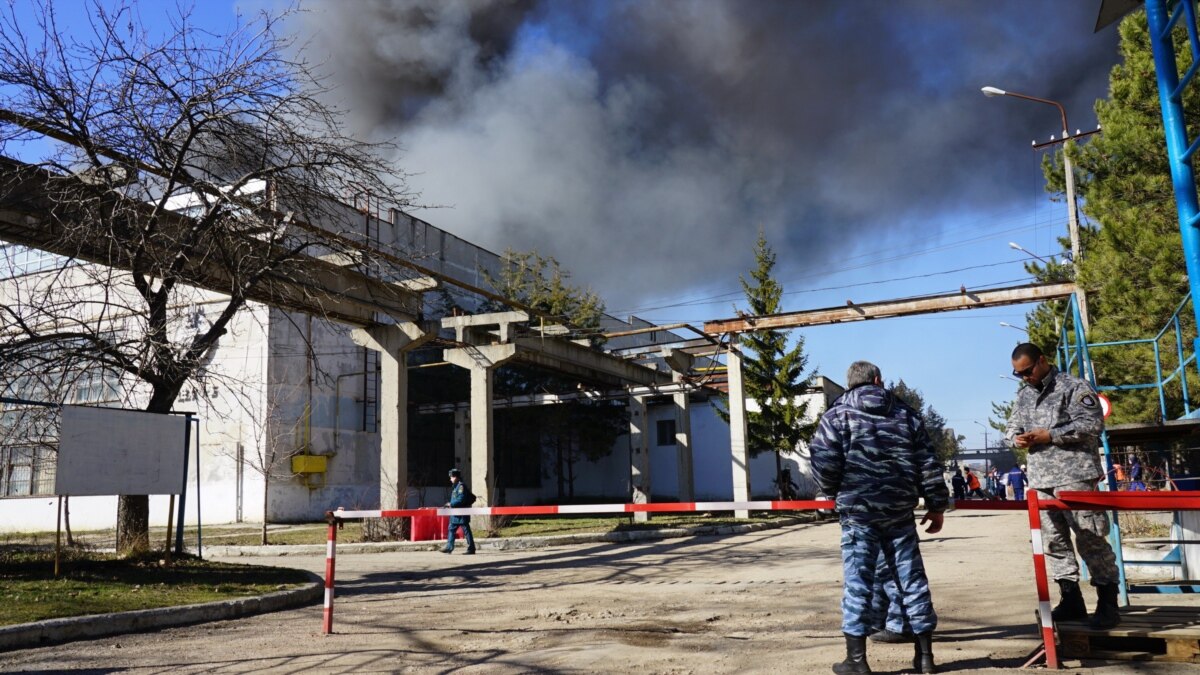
[179, 160]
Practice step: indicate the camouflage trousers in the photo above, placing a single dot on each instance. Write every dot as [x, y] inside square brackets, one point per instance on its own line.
[895, 547]
[886, 603]
[1091, 538]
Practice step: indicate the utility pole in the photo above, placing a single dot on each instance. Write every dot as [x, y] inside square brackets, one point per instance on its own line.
[1072, 206]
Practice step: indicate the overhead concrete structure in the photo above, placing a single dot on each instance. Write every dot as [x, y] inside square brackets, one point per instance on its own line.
[313, 284]
[490, 340]
[350, 281]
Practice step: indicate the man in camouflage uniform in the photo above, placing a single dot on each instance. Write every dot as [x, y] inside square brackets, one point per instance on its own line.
[1058, 418]
[872, 454]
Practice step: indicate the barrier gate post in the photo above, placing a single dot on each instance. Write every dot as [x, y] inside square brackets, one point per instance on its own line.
[1043, 584]
[330, 548]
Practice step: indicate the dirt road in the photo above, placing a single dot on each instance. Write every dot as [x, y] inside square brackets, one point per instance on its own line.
[766, 602]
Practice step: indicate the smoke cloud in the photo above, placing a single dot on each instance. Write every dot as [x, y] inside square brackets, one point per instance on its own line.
[644, 144]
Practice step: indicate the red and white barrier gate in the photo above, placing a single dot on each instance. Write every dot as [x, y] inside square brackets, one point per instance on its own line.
[336, 517]
[1089, 501]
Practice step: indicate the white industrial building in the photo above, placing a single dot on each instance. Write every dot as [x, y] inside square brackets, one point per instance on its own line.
[289, 417]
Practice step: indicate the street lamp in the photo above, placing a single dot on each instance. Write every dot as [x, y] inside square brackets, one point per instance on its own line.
[985, 432]
[1072, 207]
[1023, 330]
[1017, 247]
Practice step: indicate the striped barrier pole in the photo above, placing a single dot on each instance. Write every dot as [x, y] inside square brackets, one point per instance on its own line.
[330, 554]
[1043, 585]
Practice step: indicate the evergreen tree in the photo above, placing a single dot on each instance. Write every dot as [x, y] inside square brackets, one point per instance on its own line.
[568, 432]
[774, 375]
[946, 443]
[999, 421]
[1132, 265]
[539, 282]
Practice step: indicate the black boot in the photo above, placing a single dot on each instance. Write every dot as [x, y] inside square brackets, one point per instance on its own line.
[923, 653]
[1106, 615]
[856, 657]
[1071, 607]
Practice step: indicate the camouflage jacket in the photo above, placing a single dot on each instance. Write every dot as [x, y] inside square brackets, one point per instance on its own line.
[1068, 407]
[872, 454]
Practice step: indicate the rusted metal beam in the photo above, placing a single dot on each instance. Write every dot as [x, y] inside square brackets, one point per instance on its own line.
[891, 308]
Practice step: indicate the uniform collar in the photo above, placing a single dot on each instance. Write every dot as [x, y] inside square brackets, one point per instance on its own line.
[1047, 383]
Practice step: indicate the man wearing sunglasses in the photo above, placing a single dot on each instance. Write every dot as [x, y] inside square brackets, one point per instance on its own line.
[1057, 418]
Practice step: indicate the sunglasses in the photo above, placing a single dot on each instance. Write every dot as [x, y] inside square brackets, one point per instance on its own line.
[1027, 372]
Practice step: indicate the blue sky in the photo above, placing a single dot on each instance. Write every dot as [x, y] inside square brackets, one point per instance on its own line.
[645, 144]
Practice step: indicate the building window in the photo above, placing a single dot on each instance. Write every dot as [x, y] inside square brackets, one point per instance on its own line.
[28, 445]
[665, 432]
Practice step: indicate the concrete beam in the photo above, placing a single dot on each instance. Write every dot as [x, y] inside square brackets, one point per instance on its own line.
[503, 320]
[303, 283]
[889, 308]
[585, 362]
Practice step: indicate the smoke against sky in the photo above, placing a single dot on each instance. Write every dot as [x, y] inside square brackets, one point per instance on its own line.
[643, 144]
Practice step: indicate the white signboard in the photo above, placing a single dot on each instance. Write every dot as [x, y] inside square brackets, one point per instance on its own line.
[107, 451]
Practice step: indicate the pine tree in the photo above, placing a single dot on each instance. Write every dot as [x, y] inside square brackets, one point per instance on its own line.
[570, 432]
[946, 443]
[774, 375]
[1132, 265]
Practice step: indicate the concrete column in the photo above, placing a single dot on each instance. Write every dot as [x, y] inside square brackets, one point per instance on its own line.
[683, 445]
[738, 431]
[481, 361]
[639, 455]
[393, 344]
[680, 363]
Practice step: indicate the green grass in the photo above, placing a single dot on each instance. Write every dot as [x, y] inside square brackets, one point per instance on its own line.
[96, 584]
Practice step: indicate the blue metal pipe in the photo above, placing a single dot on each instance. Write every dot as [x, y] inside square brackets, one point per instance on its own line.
[1175, 128]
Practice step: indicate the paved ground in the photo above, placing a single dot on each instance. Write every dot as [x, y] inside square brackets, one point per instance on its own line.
[765, 602]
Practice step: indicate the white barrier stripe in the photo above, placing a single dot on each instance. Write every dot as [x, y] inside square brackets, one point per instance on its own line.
[592, 508]
[329, 550]
[1036, 536]
[328, 597]
[357, 514]
[482, 511]
[733, 506]
[582, 509]
[1044, 613]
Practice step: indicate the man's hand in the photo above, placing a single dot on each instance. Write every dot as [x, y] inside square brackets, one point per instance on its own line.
[1031, 438]
[934, 518]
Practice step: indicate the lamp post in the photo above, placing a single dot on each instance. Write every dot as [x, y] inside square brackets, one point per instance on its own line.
[1009, 325]
[985, 432]
[1072, 208]
[1017, 247]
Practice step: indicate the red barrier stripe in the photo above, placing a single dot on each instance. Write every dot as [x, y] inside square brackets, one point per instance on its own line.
[1133, 501]
[518, 510]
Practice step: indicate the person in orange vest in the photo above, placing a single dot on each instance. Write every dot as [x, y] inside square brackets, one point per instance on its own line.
[973, 487]
[1119, 475]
